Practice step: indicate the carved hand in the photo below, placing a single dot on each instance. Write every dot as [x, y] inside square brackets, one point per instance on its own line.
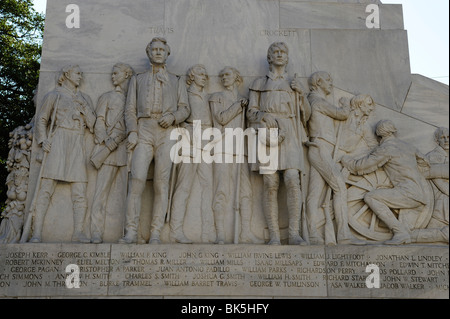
[166, 121]
[244, 102]
[347, 161]
[132, 140]
[111, 144]
[423, 162]
[82, 106]
[47, 146]
[296, 86]
[270, 121]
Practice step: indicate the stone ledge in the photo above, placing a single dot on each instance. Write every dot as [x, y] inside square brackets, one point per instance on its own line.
[212, 271]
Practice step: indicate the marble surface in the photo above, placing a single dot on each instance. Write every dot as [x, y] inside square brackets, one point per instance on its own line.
[372, 62]
[427, 101]
[210, 271]
[237, 33]
[326, 15]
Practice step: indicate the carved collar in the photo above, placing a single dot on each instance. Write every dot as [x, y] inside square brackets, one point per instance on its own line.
[118, 89]
[275, 77]
[162, 75]
[194, 90]
[68, 91]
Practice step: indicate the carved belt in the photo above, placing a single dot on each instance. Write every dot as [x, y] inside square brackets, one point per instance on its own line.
[155, 116]
[191, 125]
[282, 115]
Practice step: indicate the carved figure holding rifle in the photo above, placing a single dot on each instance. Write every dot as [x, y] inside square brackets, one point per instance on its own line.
[68, 112]
[325, 173]
[277, 103]
[232, 180]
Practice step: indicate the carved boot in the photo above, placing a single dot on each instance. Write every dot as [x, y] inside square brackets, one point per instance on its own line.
[79, 215]
[96, 238]
[176, 230]
[133, 209]
[247, 236]
[37, 227]
[294, 208]
[42, 205]
[344, 235]
[130, 237]
[208, 227]
[401, 233]
[271, 214]
[219, 224]
[155, 238]
[220, 238]
[179, 237]
[400, 237]
[430, 235]
[132, 214]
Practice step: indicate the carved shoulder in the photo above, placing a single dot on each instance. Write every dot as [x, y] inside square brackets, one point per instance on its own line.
[258, 84]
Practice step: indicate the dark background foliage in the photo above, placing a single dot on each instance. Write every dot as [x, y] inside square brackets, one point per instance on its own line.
[21, 32]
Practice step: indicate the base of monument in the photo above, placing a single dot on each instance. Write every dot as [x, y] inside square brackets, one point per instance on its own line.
[223, 271]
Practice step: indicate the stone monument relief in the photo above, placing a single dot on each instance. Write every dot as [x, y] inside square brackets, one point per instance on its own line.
[178, 151]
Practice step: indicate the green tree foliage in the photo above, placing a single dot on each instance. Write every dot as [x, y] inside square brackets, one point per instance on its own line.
[21, 32]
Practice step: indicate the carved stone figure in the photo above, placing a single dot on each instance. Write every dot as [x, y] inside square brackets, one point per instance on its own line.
[232, 186]
[18, 166]
[197, 79]
[357, 136]
[325, 171]
[400, 161]
[156, 101]
[59, 128]
[438, 228]
[277, 104]
[110, 153]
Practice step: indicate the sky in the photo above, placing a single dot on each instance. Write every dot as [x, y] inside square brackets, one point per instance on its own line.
[427, 24]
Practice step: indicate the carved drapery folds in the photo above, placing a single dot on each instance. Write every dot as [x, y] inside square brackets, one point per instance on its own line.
[345, 181]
